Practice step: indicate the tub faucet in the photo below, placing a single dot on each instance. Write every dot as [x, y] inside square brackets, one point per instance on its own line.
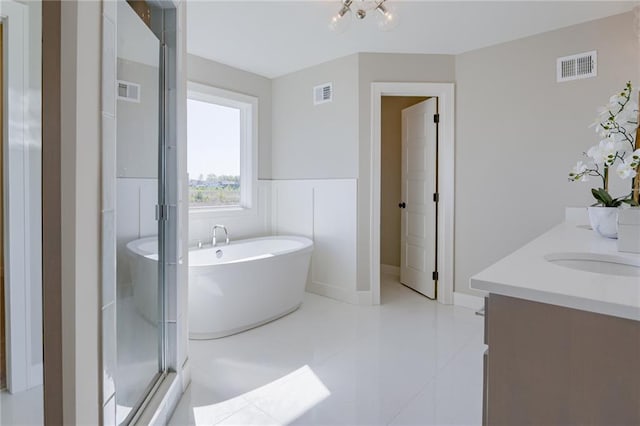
[226, 235]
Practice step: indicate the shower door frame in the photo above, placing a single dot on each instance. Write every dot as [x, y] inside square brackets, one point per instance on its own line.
[170, 350]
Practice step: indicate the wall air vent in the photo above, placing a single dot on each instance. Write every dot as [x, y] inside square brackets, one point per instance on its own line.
[575, 67]
[128, 91]
[323, 93]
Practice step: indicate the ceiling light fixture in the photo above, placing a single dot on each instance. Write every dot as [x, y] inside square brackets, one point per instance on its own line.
[386, 15]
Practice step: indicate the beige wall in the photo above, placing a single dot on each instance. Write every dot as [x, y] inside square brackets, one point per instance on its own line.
[518, 133]
[511, 117]
[391, 184]
[316, 141]
[381, 67]
[333, 140]
[205, 71]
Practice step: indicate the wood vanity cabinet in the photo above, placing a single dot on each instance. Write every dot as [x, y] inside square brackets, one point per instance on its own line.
[550, 365]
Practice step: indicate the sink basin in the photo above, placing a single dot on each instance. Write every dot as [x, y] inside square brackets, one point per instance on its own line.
[607, 264]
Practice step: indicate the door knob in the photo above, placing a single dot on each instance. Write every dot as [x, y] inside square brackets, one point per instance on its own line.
[402, 205]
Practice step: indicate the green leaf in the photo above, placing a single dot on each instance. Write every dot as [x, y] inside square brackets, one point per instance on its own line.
[604, 198]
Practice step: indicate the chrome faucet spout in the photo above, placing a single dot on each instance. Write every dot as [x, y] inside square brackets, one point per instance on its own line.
[226, 234]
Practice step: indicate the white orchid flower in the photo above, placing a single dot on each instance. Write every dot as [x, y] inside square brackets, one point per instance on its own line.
[632, 104]
[616, 100]
[577, 173]
[596, 154]
[605, 152]
[626, 116]
[625, 171]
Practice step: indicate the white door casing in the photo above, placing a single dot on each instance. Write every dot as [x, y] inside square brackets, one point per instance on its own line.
[445, 92]
[418, 218]
[22, 248]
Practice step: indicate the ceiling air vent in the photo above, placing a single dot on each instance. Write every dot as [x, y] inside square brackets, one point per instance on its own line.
[575, 67]
[128, 91]
[323, 93]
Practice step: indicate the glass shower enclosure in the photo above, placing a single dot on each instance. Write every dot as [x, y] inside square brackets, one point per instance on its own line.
[139, 226]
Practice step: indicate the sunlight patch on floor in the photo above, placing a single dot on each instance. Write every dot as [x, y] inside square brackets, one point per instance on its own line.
[286, 399]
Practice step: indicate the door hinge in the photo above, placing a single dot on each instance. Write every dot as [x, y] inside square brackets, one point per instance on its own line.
[436, 197]
[434, 275]
[436, 118]
[162, 212]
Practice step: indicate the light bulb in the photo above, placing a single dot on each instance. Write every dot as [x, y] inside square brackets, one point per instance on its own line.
[339, 22]
[387, 17]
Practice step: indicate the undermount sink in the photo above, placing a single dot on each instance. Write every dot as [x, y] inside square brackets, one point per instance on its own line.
[599, 263]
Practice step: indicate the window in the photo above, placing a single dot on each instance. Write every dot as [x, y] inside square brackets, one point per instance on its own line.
[221, 148]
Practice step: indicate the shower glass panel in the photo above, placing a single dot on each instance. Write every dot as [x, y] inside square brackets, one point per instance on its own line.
[139, 237]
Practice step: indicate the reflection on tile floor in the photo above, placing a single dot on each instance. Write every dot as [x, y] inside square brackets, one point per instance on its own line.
[409, 361]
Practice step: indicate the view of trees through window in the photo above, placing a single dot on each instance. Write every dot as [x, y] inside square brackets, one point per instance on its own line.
[213, 154]
[215, 190]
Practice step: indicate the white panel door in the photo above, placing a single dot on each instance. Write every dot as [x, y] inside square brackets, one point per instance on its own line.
[418, 229]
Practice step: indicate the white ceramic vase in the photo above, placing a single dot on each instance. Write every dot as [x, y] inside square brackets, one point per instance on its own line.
[604, 220]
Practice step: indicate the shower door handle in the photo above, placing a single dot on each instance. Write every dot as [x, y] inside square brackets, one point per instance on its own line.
[402, 205]
[162, 212]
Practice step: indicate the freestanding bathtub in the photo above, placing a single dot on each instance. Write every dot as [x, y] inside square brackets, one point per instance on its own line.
[239, 286]
[143, 255]
[245, 284]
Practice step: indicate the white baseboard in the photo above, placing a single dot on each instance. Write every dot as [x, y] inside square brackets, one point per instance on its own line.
[468, 300]
[365, 298]
[333, 292]
[390, 270]
[35, 375]
[353, 297]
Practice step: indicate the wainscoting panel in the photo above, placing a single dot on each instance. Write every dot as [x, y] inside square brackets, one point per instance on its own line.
[135, 218]
[293, 208]
[325, 211]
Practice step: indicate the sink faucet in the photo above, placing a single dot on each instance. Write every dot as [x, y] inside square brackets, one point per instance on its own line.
[226, 234]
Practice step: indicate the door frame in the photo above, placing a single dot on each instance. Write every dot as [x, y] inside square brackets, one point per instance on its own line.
[445, 92]
[20, 255]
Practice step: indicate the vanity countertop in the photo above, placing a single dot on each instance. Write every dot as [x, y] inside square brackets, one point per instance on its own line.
[526, 274]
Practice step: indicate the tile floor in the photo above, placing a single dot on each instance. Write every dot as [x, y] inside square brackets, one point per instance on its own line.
[22, 409]
[409, 361]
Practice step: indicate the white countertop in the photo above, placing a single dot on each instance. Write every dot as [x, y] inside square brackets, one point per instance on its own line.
[526, 274]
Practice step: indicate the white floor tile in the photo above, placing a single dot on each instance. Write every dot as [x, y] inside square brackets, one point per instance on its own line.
[249, 415]
[22, 409]
[451, 398]
[290, 397]
[407, 361]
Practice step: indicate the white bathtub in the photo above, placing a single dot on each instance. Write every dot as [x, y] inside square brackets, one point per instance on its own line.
[245, 284]
[144, 276]
[235, 287]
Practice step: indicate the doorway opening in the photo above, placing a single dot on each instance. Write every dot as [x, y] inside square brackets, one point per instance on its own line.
[408, 172]
[427, 217]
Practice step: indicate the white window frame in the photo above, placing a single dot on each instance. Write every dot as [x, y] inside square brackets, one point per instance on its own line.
[248, 106]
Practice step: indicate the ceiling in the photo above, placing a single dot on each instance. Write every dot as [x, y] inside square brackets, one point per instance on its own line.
[273, 38]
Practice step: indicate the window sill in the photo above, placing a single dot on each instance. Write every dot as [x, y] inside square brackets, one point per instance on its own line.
[235, 211]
